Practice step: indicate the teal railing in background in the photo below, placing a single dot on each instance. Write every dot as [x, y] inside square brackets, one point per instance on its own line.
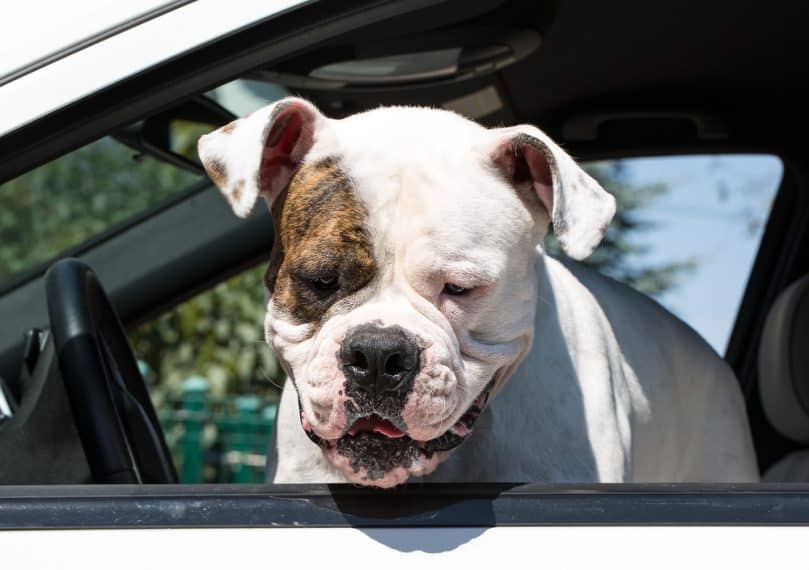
[217, 440]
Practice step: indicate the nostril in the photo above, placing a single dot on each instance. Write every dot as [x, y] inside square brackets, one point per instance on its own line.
[357, 359]
[394, 364]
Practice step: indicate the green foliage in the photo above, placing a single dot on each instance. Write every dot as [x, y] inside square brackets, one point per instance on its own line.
[217, 335]
[75, 197]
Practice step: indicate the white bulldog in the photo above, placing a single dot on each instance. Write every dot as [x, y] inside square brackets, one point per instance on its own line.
[408, 291]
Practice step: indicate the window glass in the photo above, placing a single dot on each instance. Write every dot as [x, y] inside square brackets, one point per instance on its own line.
[687, 231]
[243, 96]
[214, 382]
[71, 199]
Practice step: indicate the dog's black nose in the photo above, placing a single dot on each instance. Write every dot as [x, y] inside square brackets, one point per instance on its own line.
[380, 360]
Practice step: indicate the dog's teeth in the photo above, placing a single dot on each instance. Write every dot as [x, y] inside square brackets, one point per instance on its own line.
[460, 429]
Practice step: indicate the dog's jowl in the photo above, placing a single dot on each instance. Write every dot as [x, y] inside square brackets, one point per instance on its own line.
[425, 332]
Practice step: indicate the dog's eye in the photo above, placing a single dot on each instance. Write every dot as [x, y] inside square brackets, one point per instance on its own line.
[453, 289]
[326, 283]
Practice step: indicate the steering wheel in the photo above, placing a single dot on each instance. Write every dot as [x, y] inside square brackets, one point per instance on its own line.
[116, 421]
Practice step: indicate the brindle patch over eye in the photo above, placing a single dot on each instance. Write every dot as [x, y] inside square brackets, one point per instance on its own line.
[323, 250]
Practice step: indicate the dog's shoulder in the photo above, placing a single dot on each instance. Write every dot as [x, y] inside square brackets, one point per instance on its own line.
[624, 310]
[652, 345]
[679, 389]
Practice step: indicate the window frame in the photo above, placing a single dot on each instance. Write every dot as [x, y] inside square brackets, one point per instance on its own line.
[332, 505]
[412, 506]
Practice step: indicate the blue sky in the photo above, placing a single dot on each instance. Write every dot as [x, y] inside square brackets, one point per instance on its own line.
[714, 213]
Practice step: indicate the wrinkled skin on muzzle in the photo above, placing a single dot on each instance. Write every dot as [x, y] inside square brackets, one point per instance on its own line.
[384, 433]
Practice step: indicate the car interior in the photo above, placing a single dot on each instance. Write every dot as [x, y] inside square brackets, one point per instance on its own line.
[608, 81]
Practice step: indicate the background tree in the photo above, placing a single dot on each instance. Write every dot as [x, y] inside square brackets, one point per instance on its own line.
[622, 240]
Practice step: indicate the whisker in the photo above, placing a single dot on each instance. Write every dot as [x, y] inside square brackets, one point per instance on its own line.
[271, 381]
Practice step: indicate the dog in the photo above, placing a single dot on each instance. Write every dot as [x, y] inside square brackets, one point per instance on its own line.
[424, 331]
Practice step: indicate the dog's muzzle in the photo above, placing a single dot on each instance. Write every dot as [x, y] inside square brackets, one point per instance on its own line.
[380, 365]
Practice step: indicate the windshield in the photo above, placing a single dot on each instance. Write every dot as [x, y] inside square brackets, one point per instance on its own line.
[77, 196]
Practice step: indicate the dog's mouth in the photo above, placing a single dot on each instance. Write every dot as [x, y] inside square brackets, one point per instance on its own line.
[374, 432]
[375, 424]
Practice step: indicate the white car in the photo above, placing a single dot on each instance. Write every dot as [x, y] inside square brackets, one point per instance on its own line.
[88, 477]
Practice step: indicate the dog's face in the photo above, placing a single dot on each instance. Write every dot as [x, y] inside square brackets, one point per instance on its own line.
[402, 282]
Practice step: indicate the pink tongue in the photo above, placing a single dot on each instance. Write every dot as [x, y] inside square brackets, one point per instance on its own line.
[388, 429]
[376, 424]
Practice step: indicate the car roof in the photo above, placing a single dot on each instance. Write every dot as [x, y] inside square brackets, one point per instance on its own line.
[742, 56]
[114, 45]
[31, 40]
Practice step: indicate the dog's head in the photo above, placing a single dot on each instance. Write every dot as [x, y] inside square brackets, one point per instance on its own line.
[402, 282]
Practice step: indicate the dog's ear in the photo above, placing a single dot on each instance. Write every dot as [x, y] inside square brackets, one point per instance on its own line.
[579, 208]
[258, 154]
